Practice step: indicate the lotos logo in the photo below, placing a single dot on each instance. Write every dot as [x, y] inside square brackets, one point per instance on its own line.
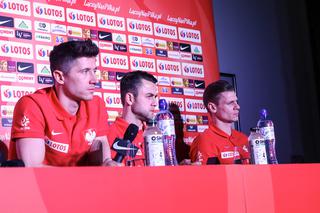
[194, 105]
[42, 52]
[103, 21]
[131, 25]
[15, 7]
[169, 67]
[135, 63]
[189, 35]
[112, 100]
[143, 64]
[166, 31]
[161, 66]
[108, 100]
[7, 93]
[137, 26]
[39, 10]
[5, 48]
[195, 70]
[114, 61]
[3, 5]
[51, 12]
[183, 34]
[158, 29]
[72, 16]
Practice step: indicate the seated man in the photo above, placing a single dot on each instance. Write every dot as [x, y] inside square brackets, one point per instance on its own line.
[63, 124]
[220, 143]
[138, 96]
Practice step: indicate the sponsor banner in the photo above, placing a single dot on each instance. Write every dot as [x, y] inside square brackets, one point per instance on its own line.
[16, 49]
[188, 140]
[6, 32]
[198, 92]
[59, 39]
[50, 12]
[147, 42]
[120, 47]
[176, 101]
[42, 37]
[59, 29]
[114, 61]
[164, 81]
[186, 34]
[134, 39]
[176, 82]
[185, 56]
[166, 31]
[119, 38]
[195, 105]
[164, 89]
[14, 93]
[148, 51]
[188, 91]
[22, 24]
[119, 75]
[143, 64]
[16, 7]
[160, 44]
[104, 45]
[191, 119]
[135, 49]
[45, 80]
[6, 21]
[161, 53]
[195, 70]
[12, 66]
[197, 58]
[191, 128]
[168, 67]
[185, 47]
[111, 22]
[112, 100]
[7, 111]
[81, 17]
[108, 85]
[174, 46]
[188, 83]
[74, 31]
[43, 69]
[199, 84]
[106, 36]
[138, 26]
[25, 67]
[196, 49]
[6, 122]
[9, 77]
[177, 90]
[174, 54]
[23, 34]
[25, 78]
[42, 26]
[43, 52]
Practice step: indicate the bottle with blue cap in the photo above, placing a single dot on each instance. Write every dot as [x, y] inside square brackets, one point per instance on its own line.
[165, 122]
[267, 130]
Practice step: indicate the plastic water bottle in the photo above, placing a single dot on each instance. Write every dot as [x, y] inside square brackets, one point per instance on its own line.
[154, 150]
[165, 122]
[257, 147]
[267, 130]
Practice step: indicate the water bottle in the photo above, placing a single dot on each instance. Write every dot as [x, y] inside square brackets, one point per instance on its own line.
[257, 147]
[267, 131]
[165, 122]
[154, 150]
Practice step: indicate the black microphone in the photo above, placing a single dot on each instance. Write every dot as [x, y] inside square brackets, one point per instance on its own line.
[122, 146]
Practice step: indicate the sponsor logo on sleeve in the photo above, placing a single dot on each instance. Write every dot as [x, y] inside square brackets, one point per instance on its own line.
[6, 21]
[185, 47]
[50, 12]
[60, 147]
[16, 7]
[186, 34]
[81, 17]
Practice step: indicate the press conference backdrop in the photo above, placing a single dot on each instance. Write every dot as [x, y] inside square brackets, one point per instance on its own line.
[174, 41]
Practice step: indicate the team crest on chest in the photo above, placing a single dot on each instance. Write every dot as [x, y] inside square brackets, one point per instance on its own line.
[89, 136]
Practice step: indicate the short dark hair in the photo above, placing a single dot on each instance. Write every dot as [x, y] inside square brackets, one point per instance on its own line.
[131, 81]
[63, 54]
[213, 91]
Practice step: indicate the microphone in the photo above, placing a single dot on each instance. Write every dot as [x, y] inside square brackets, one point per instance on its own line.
[123, 146]
[12, 163]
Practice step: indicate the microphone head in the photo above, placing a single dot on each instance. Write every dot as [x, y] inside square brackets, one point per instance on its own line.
[131, 132]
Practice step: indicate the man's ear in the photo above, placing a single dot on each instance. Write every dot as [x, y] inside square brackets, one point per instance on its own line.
[129, 98]
[212, 107]
[58, 76]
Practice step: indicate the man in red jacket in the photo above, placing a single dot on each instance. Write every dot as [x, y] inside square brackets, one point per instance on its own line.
[220, 143]
[139, 99]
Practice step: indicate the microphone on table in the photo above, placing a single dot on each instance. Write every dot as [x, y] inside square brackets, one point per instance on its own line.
[124, 146]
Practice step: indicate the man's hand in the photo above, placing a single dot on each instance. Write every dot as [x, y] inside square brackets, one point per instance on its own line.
[110, 162]
[188, 163]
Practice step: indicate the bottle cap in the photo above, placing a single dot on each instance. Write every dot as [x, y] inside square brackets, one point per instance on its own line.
[163, 104]
[263, 113]
[151, 122]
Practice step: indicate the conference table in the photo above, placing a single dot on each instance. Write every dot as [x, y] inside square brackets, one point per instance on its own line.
[212, 188]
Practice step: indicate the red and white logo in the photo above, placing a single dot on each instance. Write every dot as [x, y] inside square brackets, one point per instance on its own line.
[144, 64]
[43, 52]
[74, 31]
[54, 13]
[165, 31]
[138, 26]
[176, 82]
[195, 70]
[81, 17]
[89, 136]
[177, 101]
[112, 100]
[160, 44]
[111, 22]
[14, 93]
[114, 61]
[195, 105]
[103, 45]
[169, 67]
[16, 49]
[7, 111]
[16, 7]
[186, 34]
